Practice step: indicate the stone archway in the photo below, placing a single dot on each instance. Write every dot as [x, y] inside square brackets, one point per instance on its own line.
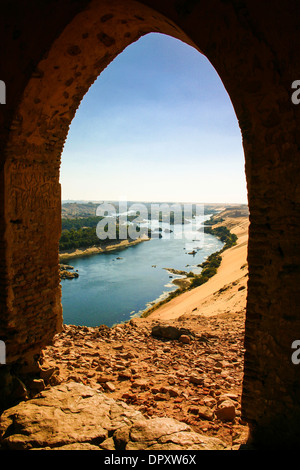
[53, 55]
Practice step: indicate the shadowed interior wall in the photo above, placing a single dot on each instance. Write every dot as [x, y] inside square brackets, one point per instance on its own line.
[53, 53]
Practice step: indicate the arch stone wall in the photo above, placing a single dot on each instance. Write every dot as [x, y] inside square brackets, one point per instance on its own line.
[53, 53]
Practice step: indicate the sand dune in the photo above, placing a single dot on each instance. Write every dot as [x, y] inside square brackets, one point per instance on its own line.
[225, 292]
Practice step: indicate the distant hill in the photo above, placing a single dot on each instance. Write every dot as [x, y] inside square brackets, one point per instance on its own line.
[73, 210]
[236, 211]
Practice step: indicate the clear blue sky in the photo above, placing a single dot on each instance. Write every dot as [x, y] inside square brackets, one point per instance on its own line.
[157, 125]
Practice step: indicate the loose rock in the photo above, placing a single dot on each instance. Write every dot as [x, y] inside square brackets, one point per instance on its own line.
[226, 411]
[75, 417]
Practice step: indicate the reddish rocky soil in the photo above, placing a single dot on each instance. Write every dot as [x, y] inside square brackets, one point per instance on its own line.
[196, 377]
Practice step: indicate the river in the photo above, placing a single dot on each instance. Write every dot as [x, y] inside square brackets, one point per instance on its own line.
[116, 286]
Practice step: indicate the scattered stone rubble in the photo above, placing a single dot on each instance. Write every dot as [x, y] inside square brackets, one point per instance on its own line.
[67, 272]
[182, 378]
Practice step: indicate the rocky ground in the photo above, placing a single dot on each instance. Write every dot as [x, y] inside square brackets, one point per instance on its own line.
[67, 272]
[190, 369]
[172, 380]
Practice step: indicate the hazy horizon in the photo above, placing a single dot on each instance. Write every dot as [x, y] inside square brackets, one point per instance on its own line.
[95, 201]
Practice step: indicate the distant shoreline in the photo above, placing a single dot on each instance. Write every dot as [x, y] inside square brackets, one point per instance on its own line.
[96, 250]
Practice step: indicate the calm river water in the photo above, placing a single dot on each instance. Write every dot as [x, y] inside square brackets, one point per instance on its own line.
[110, 290]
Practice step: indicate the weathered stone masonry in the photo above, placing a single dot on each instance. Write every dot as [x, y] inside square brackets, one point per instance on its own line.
[51, 54]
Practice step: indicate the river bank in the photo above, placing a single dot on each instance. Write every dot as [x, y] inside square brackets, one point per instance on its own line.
[95, 250]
